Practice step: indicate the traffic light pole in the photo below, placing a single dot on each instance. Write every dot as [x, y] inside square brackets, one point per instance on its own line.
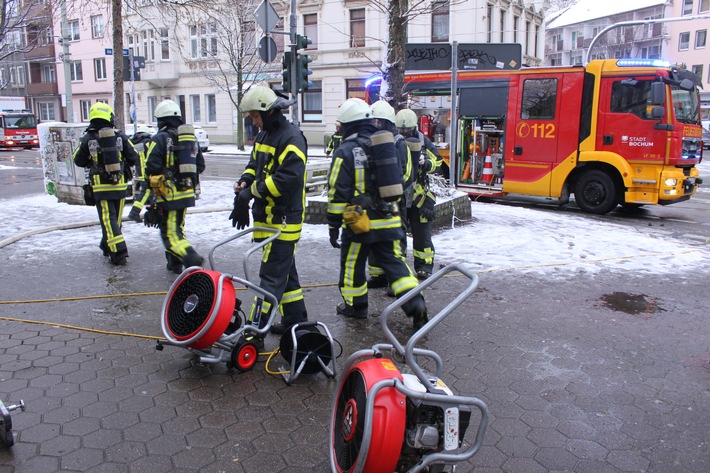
[294, 82]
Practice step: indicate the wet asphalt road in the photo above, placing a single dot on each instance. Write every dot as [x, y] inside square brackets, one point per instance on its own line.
[584, 372]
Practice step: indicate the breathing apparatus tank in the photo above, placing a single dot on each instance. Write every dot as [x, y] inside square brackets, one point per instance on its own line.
[386, 166]
[109, 156]
[186, 156]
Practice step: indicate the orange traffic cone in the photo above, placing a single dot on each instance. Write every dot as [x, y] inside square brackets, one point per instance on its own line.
[487, 175]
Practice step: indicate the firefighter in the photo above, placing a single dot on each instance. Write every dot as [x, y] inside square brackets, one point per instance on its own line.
[173, 162]
[420, 213]
[335, 140]
[108, 154]
[384, 117]
[140, 142]
[275, 178]
[363, 172]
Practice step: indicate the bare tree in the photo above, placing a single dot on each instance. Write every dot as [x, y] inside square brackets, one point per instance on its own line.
[225, 54]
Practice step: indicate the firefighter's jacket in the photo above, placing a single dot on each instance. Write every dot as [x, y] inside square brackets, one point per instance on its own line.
[351, 182]
[334, 142]
[276, 176]
[140, 143]
[161, 160]
[88, 155]
[432, 161]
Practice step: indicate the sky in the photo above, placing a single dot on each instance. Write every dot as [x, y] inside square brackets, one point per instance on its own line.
[555, 244]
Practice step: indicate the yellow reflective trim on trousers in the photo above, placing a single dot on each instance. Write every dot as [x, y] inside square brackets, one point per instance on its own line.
[111, 239]
[348, 291]
[427, 255]
[404, 284]
[265, 308]
[265, 251]
[177, 246]
[292, 296]
[291, 232]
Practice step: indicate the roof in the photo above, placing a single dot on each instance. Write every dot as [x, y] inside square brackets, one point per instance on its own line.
[586, 10]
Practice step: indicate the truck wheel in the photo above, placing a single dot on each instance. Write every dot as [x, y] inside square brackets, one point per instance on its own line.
[595, 192]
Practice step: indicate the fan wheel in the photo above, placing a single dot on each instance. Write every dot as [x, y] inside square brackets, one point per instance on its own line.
[244, 356]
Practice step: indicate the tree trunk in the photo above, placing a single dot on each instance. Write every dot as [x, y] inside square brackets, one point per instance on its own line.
[394, 73]
[118, 94]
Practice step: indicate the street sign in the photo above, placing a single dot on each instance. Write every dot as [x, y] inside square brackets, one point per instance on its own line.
[267, 49]
[266, 16]
[139, 62]
[489, 56]
[108, 51]
[427, 56]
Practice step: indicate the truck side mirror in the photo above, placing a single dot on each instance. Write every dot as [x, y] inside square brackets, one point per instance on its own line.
[657, 112]
[658, 93]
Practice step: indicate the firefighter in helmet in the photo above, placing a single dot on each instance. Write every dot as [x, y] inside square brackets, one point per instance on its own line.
[334, 140]
[173, 164]
[140, 141]
[420, 212]
[108, 154]
[275, 179]
[384, 117]
[363, 215]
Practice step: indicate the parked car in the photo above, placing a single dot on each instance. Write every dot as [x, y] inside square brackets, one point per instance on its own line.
[706, 138]
[202, 138]
[133, 126]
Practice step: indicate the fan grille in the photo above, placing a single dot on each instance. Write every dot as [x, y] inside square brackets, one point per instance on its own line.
[346, 451]
[200, 288]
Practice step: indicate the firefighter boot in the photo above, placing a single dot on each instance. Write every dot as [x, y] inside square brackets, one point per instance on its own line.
[174, 263]
[416, 308]
[377, 281]
[192, 258]
[135, 215]
[351, 312]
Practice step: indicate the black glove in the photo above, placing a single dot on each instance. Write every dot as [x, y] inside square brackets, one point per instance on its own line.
[240, 214]
[334, 233]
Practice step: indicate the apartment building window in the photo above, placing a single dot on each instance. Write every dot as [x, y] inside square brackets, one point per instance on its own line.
[704, 6]
[355, 88]
[46, 111]
[313, 103]
[516, 22]
[489, 22]
[203, 40]
[20, 76]
[164, 44]
[310, 29]
[502, 25]
[194, 41]
[100, 69]
[539, 99]
[698, 70]
[152, 103]
[684, 41]
[687, 7]
[357, 28]
[701, 37]
[527, 38]
[73, 32]
[537, 39]
[13, 77]
[211, 101]
[49, 73]
[97, 26]
[84, 106]
[77, 74]
[195, 106]
[440, 21]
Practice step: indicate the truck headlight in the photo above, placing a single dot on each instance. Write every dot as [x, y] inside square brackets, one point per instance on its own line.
[671, 182]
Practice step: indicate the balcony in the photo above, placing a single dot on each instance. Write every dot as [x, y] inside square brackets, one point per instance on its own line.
[41, 52]
[160, 74]
[42, 88]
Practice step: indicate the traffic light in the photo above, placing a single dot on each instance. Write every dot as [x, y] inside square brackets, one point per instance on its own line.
[302, 42]
[286, 73]
[302, 72]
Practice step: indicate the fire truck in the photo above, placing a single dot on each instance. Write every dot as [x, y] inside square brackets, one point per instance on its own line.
[18, 129]
[614, 132]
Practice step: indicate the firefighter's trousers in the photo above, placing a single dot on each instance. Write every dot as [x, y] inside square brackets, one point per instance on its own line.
[279, 276]
[422, 246]
[112, 241]
[172, 232]
[142, 197]
[353, 259]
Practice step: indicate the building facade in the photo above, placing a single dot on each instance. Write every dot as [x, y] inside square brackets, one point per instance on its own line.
[196, 53]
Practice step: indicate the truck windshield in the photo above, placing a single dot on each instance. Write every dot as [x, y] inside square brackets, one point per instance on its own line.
[20, 121]
[686, 105]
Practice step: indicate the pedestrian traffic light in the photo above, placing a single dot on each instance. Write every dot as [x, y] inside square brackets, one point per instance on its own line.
[302, 72]
[286, 73]
[302, 42]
